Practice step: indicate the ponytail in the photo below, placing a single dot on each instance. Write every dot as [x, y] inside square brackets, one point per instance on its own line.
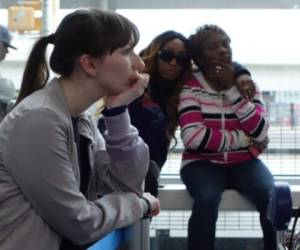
[94, 32]
[36, 73]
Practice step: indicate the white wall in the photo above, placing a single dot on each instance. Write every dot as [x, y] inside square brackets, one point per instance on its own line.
[266, 41]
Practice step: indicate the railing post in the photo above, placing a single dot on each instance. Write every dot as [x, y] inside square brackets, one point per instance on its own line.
[137, 236]
[134, 237]
[46, 17]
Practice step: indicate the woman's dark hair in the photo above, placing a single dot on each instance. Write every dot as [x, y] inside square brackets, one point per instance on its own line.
[150, 53]
[201, 35]
[94, 32]
[150, 57]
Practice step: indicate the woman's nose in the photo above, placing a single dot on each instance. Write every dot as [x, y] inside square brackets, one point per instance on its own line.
[173, 61]
[138, 63]
[223, 49]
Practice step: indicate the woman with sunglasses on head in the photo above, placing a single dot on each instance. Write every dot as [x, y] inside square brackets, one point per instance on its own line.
[63, 185]
[167, 61]
[223, 132]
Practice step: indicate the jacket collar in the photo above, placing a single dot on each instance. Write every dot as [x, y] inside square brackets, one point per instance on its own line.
[84, 124]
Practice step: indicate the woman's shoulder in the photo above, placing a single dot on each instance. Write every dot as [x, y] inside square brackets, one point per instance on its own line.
[145, 110]
[143, 102]
[47, 102]
[196, 85]
[39, 117]
[39, 108]
[194, 80]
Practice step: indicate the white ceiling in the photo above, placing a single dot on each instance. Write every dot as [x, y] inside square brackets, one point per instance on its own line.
[160, 4]
[257, 4]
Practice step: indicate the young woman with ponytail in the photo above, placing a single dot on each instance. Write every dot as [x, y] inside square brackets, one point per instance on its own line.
[63, 185]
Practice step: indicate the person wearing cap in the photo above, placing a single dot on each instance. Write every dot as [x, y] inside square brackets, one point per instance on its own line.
[5, 42]
[7, 88]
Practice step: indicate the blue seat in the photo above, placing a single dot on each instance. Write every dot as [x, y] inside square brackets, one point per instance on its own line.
[280, 206]
[111, 241]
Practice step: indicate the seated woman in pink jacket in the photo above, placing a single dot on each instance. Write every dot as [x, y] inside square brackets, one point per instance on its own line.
[223, 132]
[62, 184]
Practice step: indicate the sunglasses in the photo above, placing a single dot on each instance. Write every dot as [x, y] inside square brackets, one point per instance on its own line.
[168, 55]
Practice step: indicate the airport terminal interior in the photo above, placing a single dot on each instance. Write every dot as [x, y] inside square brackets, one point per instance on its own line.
[265, 39]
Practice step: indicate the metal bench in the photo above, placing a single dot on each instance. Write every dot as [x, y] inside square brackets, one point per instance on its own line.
[175, 197]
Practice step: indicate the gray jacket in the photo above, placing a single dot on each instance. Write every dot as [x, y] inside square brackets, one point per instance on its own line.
[40, 178]
[7, 95]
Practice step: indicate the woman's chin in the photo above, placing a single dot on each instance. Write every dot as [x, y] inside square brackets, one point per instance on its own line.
[120, 91]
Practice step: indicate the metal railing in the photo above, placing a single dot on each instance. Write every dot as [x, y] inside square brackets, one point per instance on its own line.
[134, 237]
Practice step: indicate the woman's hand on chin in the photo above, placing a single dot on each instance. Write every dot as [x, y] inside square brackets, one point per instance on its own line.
[225, 74]
[138, 83]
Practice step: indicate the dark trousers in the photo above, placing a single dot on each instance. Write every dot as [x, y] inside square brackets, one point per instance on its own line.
[206, 182]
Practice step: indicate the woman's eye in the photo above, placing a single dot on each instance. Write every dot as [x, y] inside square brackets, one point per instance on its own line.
[212, 47]
[126, 51]
[226, 44]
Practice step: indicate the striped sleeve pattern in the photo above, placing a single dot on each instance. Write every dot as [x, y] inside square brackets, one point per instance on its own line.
[200, 119]
[252, 115]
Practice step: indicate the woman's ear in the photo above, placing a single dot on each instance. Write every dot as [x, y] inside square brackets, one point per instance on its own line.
[88, 64]
[198, 60]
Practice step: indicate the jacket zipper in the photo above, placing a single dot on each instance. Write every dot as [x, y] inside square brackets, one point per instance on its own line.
[225, 155]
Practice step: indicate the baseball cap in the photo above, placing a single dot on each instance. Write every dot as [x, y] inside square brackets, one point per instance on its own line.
[6, 37]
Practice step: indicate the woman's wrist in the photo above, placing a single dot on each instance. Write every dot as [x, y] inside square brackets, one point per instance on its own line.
[117, 124]
[114, 111]
[146, 206]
